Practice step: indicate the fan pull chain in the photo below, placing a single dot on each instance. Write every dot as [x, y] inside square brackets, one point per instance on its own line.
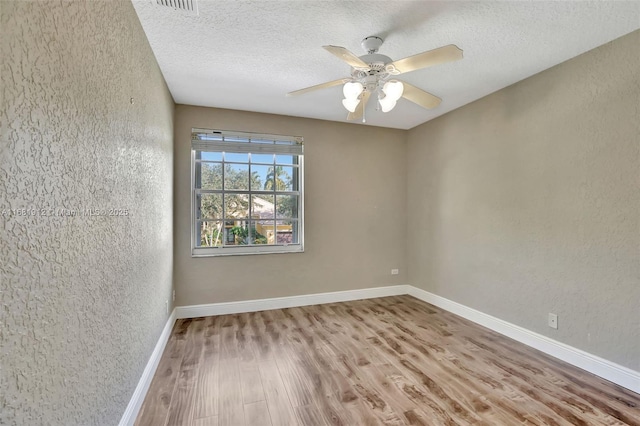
[364, 114]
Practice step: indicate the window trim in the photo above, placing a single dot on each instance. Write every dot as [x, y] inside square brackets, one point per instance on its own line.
[282, 149]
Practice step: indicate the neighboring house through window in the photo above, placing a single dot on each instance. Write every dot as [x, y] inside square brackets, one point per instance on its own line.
[246, 193]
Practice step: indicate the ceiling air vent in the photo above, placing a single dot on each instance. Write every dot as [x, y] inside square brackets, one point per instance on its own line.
[189, 6]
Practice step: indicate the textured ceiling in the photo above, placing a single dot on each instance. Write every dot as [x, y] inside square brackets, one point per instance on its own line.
[247, 55]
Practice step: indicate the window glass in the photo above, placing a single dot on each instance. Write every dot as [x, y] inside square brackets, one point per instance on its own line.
[236, 176]
[211, 234]
[236, 157]
[287, 206]
[236, 206]
[263, 206]
[284, 159]
[262, 158]
[208, 175]
[209, 206]
[210, 156]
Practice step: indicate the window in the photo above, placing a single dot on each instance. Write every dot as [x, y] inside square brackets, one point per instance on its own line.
[246, 193]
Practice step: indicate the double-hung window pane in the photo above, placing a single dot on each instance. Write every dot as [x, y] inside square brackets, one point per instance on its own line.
[247, 193]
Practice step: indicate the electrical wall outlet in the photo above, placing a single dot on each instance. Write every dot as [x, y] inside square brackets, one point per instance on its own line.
[394, 272]
[553, 321]
[173, 296]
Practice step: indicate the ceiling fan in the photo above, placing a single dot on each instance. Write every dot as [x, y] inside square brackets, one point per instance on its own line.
[375, 73]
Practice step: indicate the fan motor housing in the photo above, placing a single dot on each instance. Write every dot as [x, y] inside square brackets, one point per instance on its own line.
[376, 60]
[371, 44]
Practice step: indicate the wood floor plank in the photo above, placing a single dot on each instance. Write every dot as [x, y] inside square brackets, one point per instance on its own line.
[346, 394]
[371, 386]
[247, 361]
[460, 398]
[207, 394]
[228, 346]
[193, 348]
[183, 399]
[231, 407]
[257, 414]
[571, 410]
[319, 374]
[463, 398]
[205, 421]
[309, 415]
[394, 360]
[251, 383]
[295, 380]
[155, 409]
[280, 408]
[259, 339]
[181, 412]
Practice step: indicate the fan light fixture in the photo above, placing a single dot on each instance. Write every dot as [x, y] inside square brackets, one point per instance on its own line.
[393, 91]
[389, 95]
[375, 73]
[350, 104]
[352, 91]
[387, 104]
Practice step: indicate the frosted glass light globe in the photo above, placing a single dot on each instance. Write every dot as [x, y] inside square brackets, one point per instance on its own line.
[387, 103]
[352, 89]
[350, 104]
[393, 89]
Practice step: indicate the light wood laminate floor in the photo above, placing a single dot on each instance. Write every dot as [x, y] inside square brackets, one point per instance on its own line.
[392, 361]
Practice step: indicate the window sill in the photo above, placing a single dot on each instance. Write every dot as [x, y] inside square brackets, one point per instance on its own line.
[244, 251]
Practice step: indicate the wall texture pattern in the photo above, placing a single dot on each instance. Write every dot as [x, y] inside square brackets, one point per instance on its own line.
[527, 202]
[87, 126]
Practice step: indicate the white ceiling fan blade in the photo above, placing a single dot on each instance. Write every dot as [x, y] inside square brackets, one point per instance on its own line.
[347, 56]
[420, 97]
[426, 59]
[319, 86]
[360, 108]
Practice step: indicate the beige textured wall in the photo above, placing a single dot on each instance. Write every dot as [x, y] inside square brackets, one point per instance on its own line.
[528, 202]
[82, 299]
[354, 212]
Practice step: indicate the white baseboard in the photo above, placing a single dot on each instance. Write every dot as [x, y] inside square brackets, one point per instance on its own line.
[608, 370]
[130, 414]
[195, 311]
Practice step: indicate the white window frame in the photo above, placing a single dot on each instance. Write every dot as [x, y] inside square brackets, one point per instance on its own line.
[233, 141]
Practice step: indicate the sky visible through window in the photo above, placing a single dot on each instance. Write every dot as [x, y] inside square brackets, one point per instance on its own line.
[261, 164]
